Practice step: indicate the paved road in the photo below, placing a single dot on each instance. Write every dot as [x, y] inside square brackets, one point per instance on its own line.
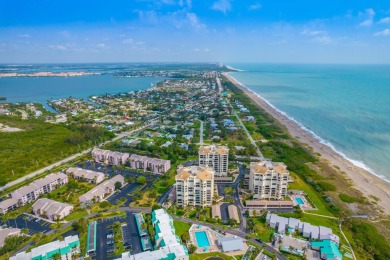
[165, 196]
[70, 158]
[239, 120]
[201, 133]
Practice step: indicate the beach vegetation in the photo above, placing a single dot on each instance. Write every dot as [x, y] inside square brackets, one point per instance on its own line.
[350, 199]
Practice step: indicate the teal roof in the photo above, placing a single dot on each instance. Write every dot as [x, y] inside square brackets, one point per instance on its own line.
[328, 248]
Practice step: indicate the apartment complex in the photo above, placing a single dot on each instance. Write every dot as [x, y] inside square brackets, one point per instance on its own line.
[66, 249]
[168, 245]
[268, 180]
[136, 161]
[109, 157]
[216, 157]
[45, 185]
[8, 205]
[51, 209]
[194, 186]
[87, 175]
[149, 164]
[99, 192]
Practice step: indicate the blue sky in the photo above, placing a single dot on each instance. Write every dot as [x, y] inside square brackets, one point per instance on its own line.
[297, 31]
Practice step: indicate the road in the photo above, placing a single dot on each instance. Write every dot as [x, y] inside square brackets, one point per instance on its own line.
[201, 133]
[239, 120]
[165, 196]
[70, 158]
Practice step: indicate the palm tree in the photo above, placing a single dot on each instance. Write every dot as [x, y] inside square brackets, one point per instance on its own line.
[25, 220]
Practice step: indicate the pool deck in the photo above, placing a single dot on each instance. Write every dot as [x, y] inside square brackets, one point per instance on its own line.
[306, 204]
[212, 237]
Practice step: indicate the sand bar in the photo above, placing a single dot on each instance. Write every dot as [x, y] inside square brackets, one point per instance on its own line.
[363, 180]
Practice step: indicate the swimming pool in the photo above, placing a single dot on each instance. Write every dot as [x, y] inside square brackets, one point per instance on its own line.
[201, 239]
[299, 201]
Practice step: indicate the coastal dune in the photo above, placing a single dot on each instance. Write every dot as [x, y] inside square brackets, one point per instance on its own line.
[364, 181]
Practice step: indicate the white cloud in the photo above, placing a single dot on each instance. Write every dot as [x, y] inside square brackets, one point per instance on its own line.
[101, 45]
[148, 17]
[385, 32]
[64, 34]
[369, 14]
[202, 50]
[58, 47]
[384, 20]
[24, 35]
[193, 20]
[222, 6]
[323, 40]
[128, 41]
[254, 6]
[312, 32]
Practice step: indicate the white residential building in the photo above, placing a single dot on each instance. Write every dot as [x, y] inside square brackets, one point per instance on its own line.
[88, 175]
[194, 186]
[45, 185]
[51, 209]
[99, 192]
[268, 180]
[216, 157]
[8, 204]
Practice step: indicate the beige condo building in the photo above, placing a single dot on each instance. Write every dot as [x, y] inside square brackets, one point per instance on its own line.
[216, 157]
[268, 180]
[194, 186]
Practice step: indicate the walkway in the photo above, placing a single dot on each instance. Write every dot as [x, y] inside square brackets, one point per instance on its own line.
[201, 133]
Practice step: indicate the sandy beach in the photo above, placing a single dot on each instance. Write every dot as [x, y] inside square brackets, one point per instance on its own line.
[363, 180]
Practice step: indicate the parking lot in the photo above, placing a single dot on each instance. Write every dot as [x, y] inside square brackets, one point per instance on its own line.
[104, 241]
[34, 225]
[123, 193]
[224, 212]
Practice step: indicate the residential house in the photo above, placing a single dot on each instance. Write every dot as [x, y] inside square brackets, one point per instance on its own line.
[38, 187]
[87, 175]
[51, 209]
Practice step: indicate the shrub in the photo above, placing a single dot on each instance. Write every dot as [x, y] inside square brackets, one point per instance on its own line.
[349, 199]
[326, 186]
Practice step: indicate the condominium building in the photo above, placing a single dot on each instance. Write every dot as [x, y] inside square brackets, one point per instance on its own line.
[109, 157]
[216, 157]
[87, 175]
[51, 209]
[268, 180]
[66, 250]
[45, 185]
[194, 186]
[98, 193]
[149, 164]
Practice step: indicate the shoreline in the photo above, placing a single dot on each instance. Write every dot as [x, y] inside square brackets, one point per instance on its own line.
[364, 180]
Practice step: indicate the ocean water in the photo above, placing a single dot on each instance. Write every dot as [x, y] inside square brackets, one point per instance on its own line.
[346, 106]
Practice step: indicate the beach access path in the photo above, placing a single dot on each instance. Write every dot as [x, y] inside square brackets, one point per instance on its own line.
[364, 181]
[70, 158]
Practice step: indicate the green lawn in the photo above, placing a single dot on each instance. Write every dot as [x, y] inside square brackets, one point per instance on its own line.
[181, 227]
[299, 184]
[207, 255]
[262, 231]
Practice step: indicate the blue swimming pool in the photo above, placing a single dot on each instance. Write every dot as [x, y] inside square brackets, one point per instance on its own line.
[299, 201]
[201, 239]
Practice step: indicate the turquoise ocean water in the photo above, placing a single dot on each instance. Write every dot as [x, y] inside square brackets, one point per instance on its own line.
[346, 107]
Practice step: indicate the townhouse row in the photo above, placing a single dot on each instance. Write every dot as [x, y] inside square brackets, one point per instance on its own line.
[145, 163]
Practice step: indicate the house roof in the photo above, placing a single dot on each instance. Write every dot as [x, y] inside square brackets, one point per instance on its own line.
[8, 203]
[231, 244]
[51, 207]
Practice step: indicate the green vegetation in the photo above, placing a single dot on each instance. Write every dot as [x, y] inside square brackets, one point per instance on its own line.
[367, 238]
[181, 227]
[11, 243]
[207, 255]
[350, 199]
[41, 144]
